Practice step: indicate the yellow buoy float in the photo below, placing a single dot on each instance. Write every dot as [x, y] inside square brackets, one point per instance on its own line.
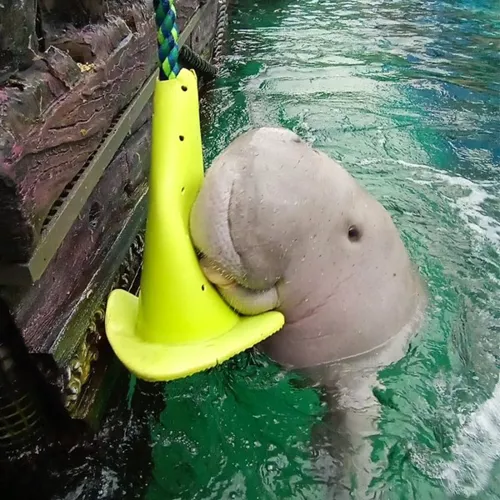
[179, 324]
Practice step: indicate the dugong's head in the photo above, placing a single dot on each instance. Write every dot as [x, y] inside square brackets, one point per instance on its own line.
[282, 226]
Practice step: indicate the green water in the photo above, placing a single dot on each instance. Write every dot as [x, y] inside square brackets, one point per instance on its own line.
[405, 94]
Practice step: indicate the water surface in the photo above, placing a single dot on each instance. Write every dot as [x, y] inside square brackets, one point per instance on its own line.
[406, 95]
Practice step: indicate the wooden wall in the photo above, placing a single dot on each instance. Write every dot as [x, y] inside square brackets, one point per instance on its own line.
[55, 110]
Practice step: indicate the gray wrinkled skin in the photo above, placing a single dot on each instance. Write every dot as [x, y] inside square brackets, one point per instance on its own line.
[282, 226]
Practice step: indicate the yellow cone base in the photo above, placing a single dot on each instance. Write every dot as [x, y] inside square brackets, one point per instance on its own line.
[180, 325]
[162, 362]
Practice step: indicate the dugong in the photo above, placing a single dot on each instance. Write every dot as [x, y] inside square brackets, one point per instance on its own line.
[280, 225]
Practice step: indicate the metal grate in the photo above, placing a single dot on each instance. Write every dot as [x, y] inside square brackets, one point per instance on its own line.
[21, 424]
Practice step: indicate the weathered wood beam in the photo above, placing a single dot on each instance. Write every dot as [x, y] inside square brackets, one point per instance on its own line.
[202, 35]
[69, 206]
[64, 209]
[54, 115]
[60, 315]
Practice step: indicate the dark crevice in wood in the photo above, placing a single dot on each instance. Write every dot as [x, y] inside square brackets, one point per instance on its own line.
[39, 29]
[131, 22]
[77, 12]
[14, 84]
[94, 214]
[18, 38]
[80, 53]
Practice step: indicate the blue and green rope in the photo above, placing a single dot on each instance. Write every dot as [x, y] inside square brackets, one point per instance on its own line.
[167, 37]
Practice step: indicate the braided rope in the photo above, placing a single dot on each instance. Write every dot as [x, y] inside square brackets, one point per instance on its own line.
[222, 19]
[189, 58]
[167, 37]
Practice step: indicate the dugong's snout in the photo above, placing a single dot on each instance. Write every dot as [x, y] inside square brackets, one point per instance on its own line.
[214, 273]
[210, 229]
[239, 297]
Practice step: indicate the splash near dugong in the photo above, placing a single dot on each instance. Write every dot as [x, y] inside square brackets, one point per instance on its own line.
[282, 226]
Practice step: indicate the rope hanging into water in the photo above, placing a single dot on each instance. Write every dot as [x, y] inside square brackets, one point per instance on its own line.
[167, 37]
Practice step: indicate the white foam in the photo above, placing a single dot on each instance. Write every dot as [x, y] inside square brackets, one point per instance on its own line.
[477, 447]
[476, 450]
[399, 162]
[469, 204]
[470, 207]
[109, 483]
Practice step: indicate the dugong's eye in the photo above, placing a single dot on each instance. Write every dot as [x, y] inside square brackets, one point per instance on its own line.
[354, 234]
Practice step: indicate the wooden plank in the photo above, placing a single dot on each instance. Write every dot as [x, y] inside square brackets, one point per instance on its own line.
[71, 274]
[72, 204]
[202, 36]
[54, 114]
[186, 10]
[59, 314]
[66, 208]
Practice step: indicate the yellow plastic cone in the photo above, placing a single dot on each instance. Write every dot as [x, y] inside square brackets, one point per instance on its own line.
[180, 324]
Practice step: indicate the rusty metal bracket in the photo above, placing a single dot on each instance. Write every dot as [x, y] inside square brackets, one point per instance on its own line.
[25, 274]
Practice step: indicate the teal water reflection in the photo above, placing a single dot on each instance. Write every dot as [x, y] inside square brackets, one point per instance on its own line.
[406, 95]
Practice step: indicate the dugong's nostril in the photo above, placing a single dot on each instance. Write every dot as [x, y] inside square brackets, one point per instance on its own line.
[354, 234]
